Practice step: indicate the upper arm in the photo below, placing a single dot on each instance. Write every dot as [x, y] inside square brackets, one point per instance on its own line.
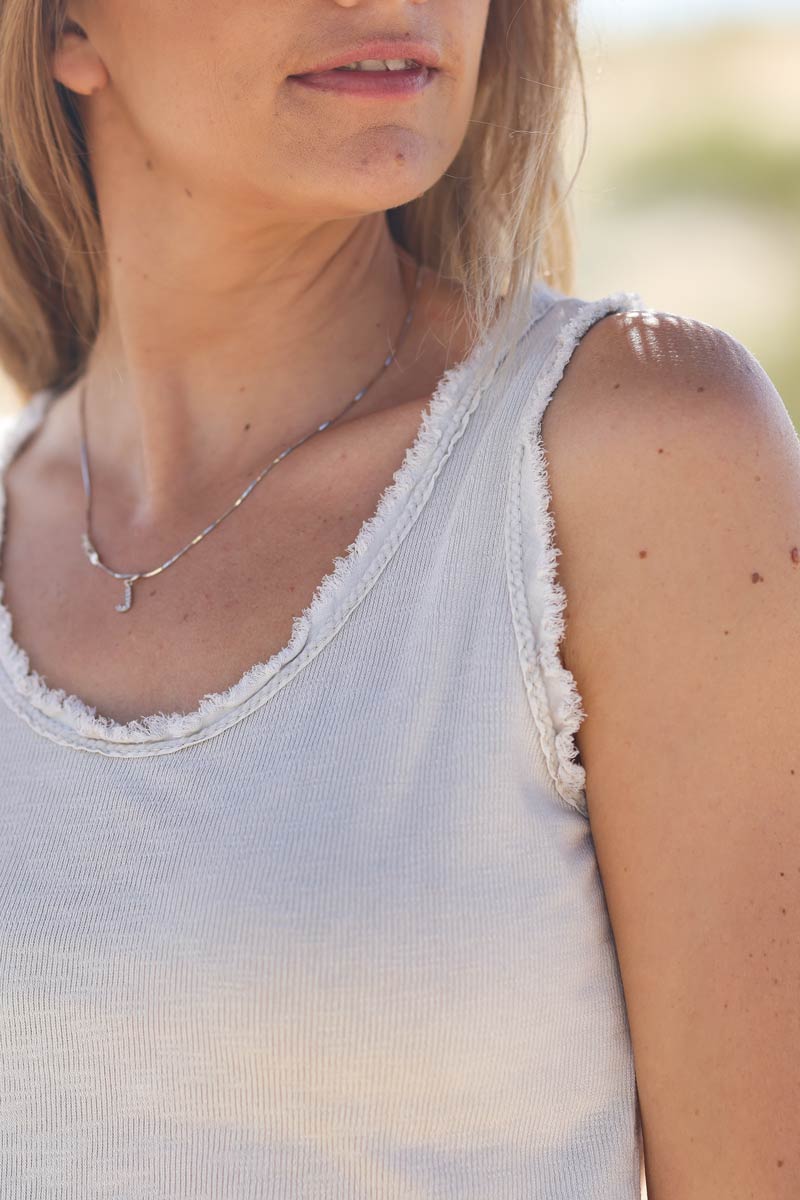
[676, 495]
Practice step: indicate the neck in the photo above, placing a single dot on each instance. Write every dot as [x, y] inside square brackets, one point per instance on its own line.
[210, 364]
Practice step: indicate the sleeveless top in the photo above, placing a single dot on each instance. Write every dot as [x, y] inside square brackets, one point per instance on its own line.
[340, 932]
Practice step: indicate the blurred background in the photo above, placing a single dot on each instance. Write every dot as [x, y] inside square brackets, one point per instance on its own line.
[689, 192]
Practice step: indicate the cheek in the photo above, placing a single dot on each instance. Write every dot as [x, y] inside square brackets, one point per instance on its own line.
[190, 73]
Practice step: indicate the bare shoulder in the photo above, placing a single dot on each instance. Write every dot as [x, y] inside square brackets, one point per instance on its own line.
[634, 374]
[657, 419]
[675, 477]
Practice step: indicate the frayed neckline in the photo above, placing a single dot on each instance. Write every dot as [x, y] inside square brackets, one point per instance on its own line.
[67, 719]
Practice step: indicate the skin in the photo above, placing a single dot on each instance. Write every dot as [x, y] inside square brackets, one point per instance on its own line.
[255, 284]
[255, 289]
[675, 475]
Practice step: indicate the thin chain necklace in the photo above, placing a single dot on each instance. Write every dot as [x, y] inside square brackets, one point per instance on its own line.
[130, 577]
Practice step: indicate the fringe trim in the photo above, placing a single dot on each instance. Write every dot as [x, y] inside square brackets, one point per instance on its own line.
[538, 600]
[67, 719]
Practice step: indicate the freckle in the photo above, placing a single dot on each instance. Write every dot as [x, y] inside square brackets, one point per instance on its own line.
[756, 578]
[247, 426]
[616, 385]
[660, 450]
[726, 632]
[776, 980]
[750, 955]
[701, 389]
[188, 193]
[780, 1162]
[791, 770]
[795, 555]
[781, 874]
[758, 479]
[148, 164]
[642, 554]
[783, 910]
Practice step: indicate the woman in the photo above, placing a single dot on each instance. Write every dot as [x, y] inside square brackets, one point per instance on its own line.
[368, 918]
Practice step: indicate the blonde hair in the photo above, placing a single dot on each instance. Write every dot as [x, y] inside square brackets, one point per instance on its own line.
[496, 222]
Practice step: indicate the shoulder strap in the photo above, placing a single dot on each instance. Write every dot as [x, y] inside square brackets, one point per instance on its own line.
[538, 600]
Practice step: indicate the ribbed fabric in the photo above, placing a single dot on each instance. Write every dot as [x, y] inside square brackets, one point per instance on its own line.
[340, 933]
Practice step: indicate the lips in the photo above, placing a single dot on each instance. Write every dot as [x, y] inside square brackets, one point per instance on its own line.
[369, 84]
[422, 52]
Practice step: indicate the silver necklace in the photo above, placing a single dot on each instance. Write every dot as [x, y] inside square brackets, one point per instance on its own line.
[130, 577]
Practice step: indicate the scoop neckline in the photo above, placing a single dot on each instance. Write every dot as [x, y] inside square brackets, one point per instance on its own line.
[67, 719]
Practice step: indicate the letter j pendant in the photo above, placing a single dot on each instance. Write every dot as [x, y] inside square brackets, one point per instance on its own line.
[128, 601]
[128, 580]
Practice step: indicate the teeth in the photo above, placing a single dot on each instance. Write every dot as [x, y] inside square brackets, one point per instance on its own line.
[379, 64]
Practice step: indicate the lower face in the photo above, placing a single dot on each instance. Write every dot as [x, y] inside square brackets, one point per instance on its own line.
[250, 127]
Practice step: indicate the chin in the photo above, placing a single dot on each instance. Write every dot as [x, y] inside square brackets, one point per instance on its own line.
[387, 185]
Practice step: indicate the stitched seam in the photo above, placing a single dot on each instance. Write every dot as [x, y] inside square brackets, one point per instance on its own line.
[528, 652]
[430, 463]
[538, 650]
[433, 448]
